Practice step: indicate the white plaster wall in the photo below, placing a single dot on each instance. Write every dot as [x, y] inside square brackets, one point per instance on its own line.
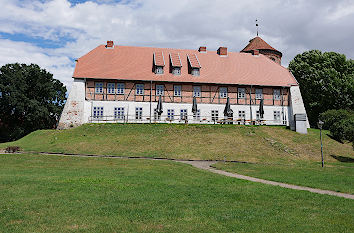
[73, 112]
[297, 105]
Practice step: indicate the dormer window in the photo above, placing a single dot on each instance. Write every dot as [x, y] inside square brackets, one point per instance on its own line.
[195, 72]
[158, 69]
[176, 64]
[193, 64]
[159, 62]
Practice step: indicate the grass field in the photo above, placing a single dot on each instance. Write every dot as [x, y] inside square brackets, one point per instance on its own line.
[41, 193]
[233, 142]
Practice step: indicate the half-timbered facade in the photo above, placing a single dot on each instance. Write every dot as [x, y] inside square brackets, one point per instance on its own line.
[114, 83]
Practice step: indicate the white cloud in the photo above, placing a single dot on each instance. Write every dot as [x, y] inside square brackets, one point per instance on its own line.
[290, 26]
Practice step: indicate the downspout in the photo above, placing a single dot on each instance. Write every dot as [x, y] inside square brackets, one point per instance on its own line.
[251, 105]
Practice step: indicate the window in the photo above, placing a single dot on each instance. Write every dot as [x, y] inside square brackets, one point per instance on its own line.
[99, 88]
[184, 115]
[138, 113]
[214, 115]
[223, 92]
[258, 117]
[119, 113]
[177, 90]
[110, 88]
[241, 93]
[176, 70]
[277, 116]
[196, 115]
[159, 90]
[241, 115]
[97, 112]
[259, 94]
[159, 70]
[195, 72]
[276, 94]
[139, 89]
[157, 117]
[197, 91]
[171, 114]
[120, 88]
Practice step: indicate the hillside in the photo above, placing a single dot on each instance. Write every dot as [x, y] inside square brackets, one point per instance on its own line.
[266, 144]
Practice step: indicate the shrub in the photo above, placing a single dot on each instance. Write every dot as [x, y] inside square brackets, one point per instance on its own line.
[333, 116]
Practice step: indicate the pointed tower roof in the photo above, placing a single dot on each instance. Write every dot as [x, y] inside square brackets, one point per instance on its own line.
[258, 43]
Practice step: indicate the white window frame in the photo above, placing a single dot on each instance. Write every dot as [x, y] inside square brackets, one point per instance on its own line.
[242, 114]
[157, 117]
[241, 93]
[119, 113]
[111, 88]
[99, 87]
[183, 114]
[139, 89]
[97, 112]
[223, 92]
[196, 115]
[214, 115]
[159, 90]
[171, 114]
[138, 113]
[197, 91]
[195, 71]
[259, 93]
[276, 115]
[158, 69]
[176, 70]
[120, 88]
[258, 116]
[276, 94]
[177, 90]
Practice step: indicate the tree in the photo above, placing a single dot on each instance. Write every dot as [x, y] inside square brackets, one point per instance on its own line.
[326, 81]
[30, 99]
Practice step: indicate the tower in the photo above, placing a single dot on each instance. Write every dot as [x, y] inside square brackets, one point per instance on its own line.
[264, 48]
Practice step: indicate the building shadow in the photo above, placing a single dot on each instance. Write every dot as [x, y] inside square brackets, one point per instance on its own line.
[343, 159]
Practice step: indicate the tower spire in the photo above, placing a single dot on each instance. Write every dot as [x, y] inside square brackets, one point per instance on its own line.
[257, 26]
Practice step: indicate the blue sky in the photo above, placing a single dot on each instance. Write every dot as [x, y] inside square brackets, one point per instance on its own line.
[53, 33]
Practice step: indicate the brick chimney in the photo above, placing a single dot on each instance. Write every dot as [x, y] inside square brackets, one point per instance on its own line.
[255, 52]
[222, 51]
[202, 49]
[110, 44]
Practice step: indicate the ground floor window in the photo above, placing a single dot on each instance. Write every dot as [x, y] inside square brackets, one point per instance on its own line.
[184, 115]
[171, 114]
[138, 113]
[97, 112]
[196, 115]
[242, 115]
[119, 113]
[277, 116]
[214, 115]
[258, 117]
[157, 117]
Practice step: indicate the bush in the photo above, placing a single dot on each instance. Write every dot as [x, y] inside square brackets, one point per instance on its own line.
[333, 116]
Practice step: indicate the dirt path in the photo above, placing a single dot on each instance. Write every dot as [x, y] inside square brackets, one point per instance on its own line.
[205, 165]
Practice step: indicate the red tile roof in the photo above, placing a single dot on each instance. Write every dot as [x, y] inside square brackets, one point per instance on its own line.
[193, 60]
[257, 43]
[135, 63]
[159, 59]
[175, 60]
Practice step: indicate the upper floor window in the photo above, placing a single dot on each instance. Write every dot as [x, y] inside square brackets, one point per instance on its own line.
[176, 70]
[158, 69]
[259, 94]
[195, 71]
[241, 92]
[99, 88]
[159, 90]
[110, 88]
[177, 90]
[223, 92]
[120, 88]
[197, 91]
[139, 89]
[276, 94]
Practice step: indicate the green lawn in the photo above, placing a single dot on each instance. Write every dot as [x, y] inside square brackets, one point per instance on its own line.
[42, 193]
[334, 176]
[232, 142]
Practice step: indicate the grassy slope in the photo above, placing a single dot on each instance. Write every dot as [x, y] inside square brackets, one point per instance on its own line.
[65, 194]
[234, 142]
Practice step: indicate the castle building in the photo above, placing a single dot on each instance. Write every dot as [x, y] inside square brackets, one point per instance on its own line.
[114, 83]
